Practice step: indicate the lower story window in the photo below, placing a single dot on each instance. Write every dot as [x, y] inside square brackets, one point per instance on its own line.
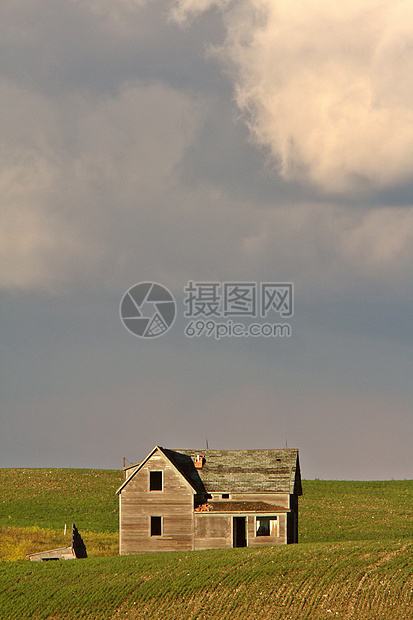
[266, 526]
[156, 526]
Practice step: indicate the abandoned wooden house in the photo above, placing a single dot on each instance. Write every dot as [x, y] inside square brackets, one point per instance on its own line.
[190, 500]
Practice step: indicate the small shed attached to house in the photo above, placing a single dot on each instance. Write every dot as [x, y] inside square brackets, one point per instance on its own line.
[203, 499]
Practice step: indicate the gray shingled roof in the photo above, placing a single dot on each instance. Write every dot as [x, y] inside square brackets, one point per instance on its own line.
[237, 471]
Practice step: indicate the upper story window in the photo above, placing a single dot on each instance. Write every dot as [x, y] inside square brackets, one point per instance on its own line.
[155, 481]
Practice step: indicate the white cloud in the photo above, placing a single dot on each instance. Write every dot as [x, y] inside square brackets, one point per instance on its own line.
[325, 87]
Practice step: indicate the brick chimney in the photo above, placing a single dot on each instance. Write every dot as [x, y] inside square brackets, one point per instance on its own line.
[199, 461]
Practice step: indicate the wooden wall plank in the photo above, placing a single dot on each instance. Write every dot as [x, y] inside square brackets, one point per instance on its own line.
[174, 504]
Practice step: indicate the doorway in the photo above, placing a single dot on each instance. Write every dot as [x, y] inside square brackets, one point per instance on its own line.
[239, 532]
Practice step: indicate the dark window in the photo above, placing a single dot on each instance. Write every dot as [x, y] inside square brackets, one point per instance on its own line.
[156, 526]
[155, 481]
[225, 496]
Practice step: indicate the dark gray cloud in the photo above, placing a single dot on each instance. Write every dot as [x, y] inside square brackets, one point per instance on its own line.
[96, 48]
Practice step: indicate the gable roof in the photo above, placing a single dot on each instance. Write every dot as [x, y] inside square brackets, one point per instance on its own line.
[235, 471]
[139, 466]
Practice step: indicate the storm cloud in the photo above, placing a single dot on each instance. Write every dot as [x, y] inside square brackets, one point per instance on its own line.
[207, 141]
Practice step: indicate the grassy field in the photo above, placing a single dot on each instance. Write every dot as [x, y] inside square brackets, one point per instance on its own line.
[365, 580]
[354, 559]
[50, 497]
[36, 504]
[349, 510]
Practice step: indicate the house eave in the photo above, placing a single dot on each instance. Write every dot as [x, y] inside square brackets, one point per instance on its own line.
[242, 512]
[139, 467]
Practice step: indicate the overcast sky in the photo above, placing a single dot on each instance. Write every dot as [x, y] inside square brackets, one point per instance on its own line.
[207, 141]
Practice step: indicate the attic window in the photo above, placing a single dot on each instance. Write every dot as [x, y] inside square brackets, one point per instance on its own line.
[155, 481]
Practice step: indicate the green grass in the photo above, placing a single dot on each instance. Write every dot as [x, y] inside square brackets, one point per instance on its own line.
[36, 504]
[49, 498]
[364, 581]
[354, 559]
[349, 510]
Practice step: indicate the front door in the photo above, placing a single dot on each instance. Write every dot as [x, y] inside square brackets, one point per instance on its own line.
[239, 532]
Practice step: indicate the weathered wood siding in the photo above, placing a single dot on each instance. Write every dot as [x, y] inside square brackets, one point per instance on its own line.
[175, 504]
[261, 541]
[213, 531]
[65, 553]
